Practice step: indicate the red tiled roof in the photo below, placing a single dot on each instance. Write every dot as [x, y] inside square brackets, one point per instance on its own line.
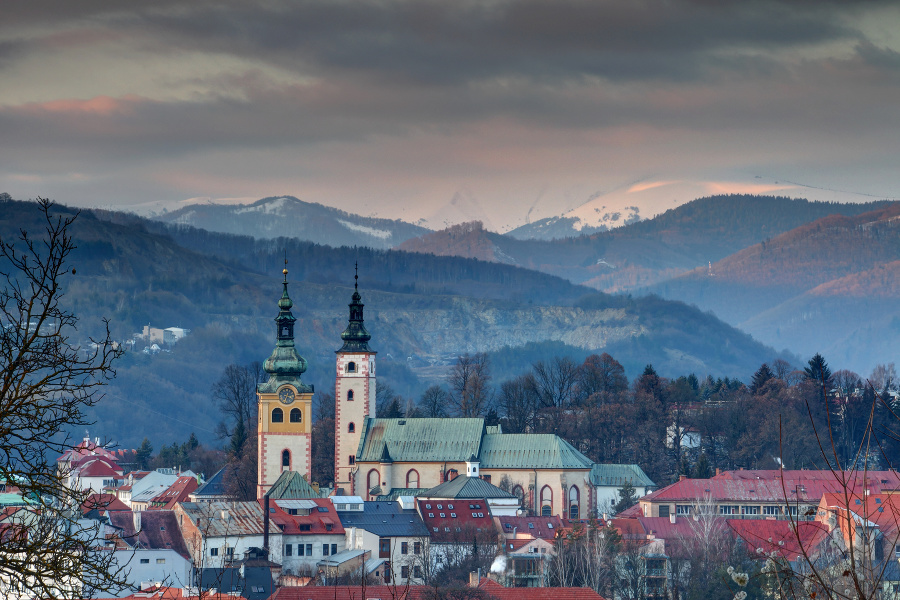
[536, 527]
[174, 593]
[340, 592]
[97, 466]
[177, 492]
[536, 593]
[779, 536]
[159, 530]
[454, 516]
[103, 502]
[316, 520]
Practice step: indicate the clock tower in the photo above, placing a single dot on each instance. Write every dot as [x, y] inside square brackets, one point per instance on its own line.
[284, 428]
[354, 394]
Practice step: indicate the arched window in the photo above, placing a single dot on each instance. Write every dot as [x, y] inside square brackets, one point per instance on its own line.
[373, 478]
[351, 428]
[350, 396]
[296, 415]
[546, 501]
[412, 478]
[351, 367]
[451, 475]
[285, 458]
[277, 416]
[519, 493]
[574, 502]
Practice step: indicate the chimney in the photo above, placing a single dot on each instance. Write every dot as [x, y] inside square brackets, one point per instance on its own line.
[682, 477]
[718, 471]
[474, 578]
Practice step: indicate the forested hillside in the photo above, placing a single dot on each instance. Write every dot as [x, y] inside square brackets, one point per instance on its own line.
[422, 312]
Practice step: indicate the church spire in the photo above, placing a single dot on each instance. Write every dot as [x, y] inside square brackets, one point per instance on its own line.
[284, 365]
[356, 337]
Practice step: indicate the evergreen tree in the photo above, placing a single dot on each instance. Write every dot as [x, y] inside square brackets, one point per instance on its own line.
[627, 497]
[702, 470]
[762, 375]
[144, 454]
[817, 370]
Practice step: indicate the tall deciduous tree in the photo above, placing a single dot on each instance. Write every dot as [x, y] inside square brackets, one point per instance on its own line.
[469, 382]
[47, 381]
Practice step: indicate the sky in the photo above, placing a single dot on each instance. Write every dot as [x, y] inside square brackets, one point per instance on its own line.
[508, 111]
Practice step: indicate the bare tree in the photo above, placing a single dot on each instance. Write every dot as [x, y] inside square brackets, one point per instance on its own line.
[518, 403]
[46, 383]
[469, 383]
[235, 392]
[433, 402]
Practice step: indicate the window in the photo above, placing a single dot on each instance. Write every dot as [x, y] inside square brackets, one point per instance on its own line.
[334, 548]
[285, 458]
[450, 506]
[443, 515]
[574, 502]
[277, 415]
[350, 396]
[417, 572]
[404, 571]
[728, 510]
[519, 493]
[351, 367]
[328, 526]
[324, 549]
[428, 506]
[229, 551]
[373, 478]
[351, 428]
[296, 415]
[771, 510]
[309, 549]
[683, 509]
[412, 479]
[404, 547]
[440, 507]
[531, 526]
[664, 510]
[213, 551]
[160, 561]
[384, 548]
[546, 501]
[300, 550]
[749, 510]
[431, 515]
[288, 549]
[351, 459]
[145, 561]
[453, 515]
[305, 527]
[417, 547]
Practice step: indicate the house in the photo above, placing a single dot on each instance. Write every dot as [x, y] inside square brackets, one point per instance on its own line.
[761, 494]
[103, 502]
[213, 490]
[95, 472]
[150, 547]
[253, 577]
[310, 530]
[217, 533]
[177, 492]
[391, 532]
[144, 490]
[607, 480]
[456, 528]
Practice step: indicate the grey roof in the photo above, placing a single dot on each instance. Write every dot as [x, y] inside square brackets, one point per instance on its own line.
[239, 578]
[214, 486]
[159, 530]
[420, 440]
[530, 451]
[221, 519]
[466, 487]
[395, 493]
[385, 519]
[617, 475]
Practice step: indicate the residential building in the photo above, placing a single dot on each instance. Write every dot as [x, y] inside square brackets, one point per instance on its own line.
[310, 530]
[607, 480]
[217, 533]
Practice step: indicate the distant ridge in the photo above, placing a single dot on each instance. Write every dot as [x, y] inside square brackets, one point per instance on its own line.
[287, 216]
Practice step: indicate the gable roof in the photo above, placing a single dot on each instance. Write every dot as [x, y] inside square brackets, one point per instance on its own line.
[292, 485]
[780, 537]
[159, 531]
[103, 502]
[97, 466]
[530, 451]
[177, 492]
[240, 518]
[536, 527]
[466, 487]
[420, 440]
[321, 517]
[618, 475]
[385, 519]
[214, 486]
[445, 521]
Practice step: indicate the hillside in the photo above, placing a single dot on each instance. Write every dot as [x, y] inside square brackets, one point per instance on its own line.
[646, 252]
[823, 285]
[224, 289]
[286, 216]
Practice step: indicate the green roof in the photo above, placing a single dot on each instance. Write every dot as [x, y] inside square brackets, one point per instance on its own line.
[291, 485]
[397, 492]
[530, 451]
[617, 475]
[420, 440]
[466, 487]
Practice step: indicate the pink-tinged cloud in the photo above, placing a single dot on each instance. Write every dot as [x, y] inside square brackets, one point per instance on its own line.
[735, 187]
[650, 185]
[99, 105]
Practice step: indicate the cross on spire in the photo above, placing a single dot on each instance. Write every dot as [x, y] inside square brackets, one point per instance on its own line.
[356, 276]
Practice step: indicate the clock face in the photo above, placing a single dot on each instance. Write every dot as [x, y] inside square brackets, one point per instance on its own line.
[286, 395]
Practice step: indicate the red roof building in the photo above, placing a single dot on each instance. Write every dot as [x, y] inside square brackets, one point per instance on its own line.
[496, 590]
[452, 520]
[103, 502]
[178, 492]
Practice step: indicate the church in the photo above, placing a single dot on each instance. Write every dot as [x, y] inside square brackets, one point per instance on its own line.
[386, 458]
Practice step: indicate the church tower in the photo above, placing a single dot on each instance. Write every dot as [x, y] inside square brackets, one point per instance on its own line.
[284, 403]
[354, 393]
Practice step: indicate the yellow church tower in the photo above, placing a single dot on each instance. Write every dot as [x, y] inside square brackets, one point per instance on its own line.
[284, 402]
